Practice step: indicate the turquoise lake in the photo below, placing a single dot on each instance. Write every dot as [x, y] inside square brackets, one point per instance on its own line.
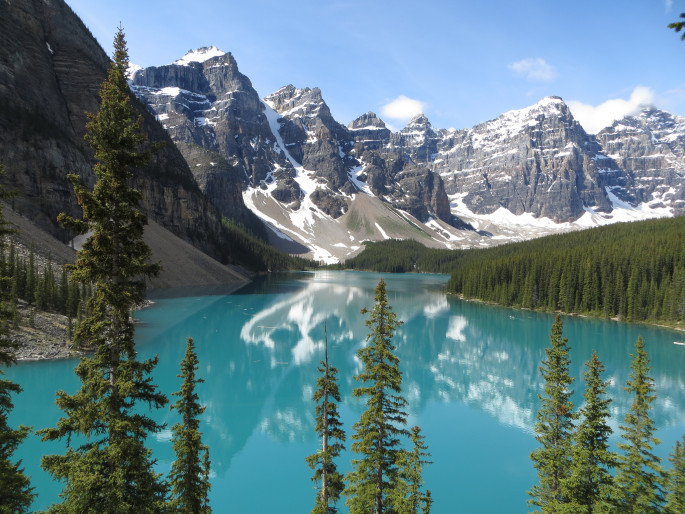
[470, 374]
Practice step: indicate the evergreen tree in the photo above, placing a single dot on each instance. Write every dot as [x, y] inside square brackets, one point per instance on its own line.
[189, 477]
[408, 494]
[16, 493]
[378, 432]
[106, 467]
[639, 478]
[590, 483]
[554, 426]
[31, 276]
[678, 25]
[329, 428]
[675, 497]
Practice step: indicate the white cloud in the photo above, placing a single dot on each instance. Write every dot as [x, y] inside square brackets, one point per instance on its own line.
[534, 69]
[595, 118]
[402, 108]
[669, 4]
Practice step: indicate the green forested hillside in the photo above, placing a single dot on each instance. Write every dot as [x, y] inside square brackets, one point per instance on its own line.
[248, 250]
[635, 271]
[401, 256]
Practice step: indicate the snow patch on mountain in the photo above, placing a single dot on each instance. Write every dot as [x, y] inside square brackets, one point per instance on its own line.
[200, 55]
[527, 225]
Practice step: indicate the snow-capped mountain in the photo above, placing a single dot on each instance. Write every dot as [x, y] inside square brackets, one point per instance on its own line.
[323, 188]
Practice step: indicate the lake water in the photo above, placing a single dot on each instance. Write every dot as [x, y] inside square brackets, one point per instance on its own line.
[470, 374]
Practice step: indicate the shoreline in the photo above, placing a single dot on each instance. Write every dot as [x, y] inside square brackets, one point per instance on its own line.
[575, 314]
[44, 339]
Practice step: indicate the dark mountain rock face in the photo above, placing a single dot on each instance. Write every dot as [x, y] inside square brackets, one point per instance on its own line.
[212, 105]
[644, 158]
[537, 160]
[51, 69]
[369, 132]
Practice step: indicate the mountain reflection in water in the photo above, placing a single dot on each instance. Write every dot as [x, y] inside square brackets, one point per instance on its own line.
[470, 373]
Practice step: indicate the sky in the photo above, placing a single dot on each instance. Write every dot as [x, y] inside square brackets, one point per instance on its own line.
[459, 62]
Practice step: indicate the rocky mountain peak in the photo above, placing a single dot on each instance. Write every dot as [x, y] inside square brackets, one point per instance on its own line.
[649, 119]
[366, 121]
[291, 101]
[650, 146]
[369, 131]
[417, 140]
[418, 121]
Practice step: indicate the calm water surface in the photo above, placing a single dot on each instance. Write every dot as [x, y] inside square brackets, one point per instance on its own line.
[470, 373]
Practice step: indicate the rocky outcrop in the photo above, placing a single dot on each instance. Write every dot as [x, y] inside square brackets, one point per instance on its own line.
[369, 132]
[644, 158]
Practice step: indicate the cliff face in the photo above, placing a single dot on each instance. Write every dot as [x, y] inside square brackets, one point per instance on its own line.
[216, 119]
[51, 69]
[644, 158]
[537, 160]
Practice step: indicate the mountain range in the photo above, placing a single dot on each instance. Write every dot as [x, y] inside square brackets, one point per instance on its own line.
[327, 187]
[282, 167]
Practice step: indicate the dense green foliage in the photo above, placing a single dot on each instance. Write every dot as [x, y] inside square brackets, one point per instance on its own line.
[634, 271]
[408, 495]
[21, 279]
[189, 477]
[329, 428]
[640, 476]
[402, 256]
[16, 492]
[589, 486]
[378, 433]
[554, 425]
[252, 252]
[575, 462]
[675, 498]
[106, 467]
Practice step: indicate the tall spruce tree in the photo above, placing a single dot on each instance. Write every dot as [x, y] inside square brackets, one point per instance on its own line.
[640, 477]
[408, 494]
[16, 493]
[106, 467]
[189, 477]
[554, 425]
[329, 428]
[675, 486]
[589, 486]
[378, 432]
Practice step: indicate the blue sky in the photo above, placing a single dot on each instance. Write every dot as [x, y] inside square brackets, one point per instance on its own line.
[459, 62]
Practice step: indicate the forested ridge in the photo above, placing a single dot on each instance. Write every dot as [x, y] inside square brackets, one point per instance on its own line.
[402, 256]
[633, 271]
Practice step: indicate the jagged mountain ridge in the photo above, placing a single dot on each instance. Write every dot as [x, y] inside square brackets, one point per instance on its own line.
[303, 172]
